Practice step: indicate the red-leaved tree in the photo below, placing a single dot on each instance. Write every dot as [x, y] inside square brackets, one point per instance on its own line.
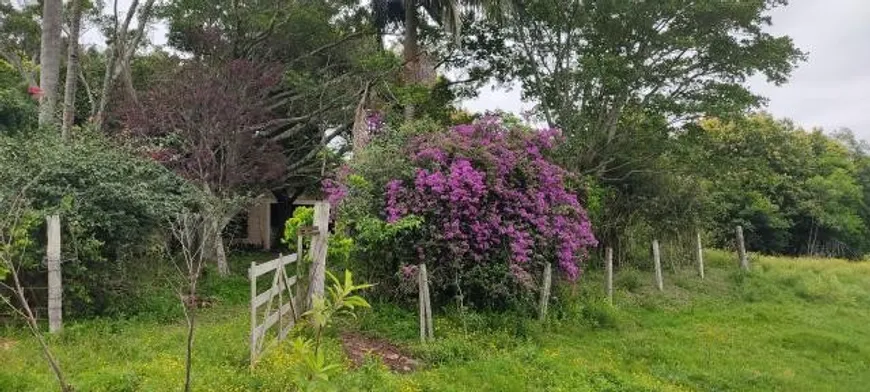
[202, 122]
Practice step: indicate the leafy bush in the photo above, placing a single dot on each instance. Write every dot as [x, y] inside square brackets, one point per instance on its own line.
[479, 203]
[112, 205]
[339, 246]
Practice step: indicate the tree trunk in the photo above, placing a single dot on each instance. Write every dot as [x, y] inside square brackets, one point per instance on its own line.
[92, 103]
[72, 69]
[128, 83]
[360, 130]
[191, 325]
[108, 77]
[411, 52]
[120, 52]
[49, 60]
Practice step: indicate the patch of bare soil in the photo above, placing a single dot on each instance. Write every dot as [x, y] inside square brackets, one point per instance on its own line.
[358, 346]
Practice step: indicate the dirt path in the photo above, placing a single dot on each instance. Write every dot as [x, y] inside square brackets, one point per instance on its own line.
[358, 346]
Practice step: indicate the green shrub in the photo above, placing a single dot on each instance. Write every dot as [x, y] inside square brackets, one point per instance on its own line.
[340, 246]
[112, 203]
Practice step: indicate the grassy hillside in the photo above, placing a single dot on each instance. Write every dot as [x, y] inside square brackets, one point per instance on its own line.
[790, 324]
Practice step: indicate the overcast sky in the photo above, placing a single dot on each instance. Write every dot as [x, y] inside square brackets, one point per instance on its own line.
[830, 90]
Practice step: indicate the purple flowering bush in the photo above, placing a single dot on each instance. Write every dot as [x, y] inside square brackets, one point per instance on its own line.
[490, 208]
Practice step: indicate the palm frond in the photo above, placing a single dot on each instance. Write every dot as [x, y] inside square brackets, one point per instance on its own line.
[448, 13]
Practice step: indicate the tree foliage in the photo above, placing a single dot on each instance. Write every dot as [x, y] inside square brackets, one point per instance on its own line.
[203, 123]
[794, 191]
[113, 203]
[326, 56]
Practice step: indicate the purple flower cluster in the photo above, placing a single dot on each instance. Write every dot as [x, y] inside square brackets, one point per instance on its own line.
[486, 191]
[336, 189]
[375, 121]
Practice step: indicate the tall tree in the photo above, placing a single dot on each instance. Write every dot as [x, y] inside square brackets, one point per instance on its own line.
[591, 65]
[122, 45]
[447, 13]
[49, 60]
[206, 132]
[72, 67]
[329, 63]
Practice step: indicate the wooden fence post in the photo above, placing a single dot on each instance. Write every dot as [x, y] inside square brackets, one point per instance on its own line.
[608, 267]
[658, 264]
[700, 254]
[545, 290]
[741, 249]
[253, 278]
[317, 275]
[427, 331]
[421, 296]
[429, 328]
[55, 283]
[300, 260]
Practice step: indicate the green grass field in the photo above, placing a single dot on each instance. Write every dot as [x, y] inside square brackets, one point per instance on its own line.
[789, 325]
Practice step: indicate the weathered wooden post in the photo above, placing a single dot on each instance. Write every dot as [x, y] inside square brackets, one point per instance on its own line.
[427, 331]
[608, 267]
[253, 278]
[430, 330]
[55, 283]
[741, 249]
[421, 299]
[300, 259]
[658, 264]
[700, 254]
[281, 285]
[545, 290]
[317, 275]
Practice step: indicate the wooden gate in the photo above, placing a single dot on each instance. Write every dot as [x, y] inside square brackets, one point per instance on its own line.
[287, 314]
[286, 311]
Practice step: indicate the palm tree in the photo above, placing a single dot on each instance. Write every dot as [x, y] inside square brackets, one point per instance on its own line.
[49, 60]
[72, 68]
[447, 13]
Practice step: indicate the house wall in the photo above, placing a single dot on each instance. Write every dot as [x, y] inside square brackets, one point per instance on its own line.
[259, 223]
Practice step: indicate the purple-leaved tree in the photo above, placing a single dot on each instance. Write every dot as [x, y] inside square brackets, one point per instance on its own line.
[202, 122]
